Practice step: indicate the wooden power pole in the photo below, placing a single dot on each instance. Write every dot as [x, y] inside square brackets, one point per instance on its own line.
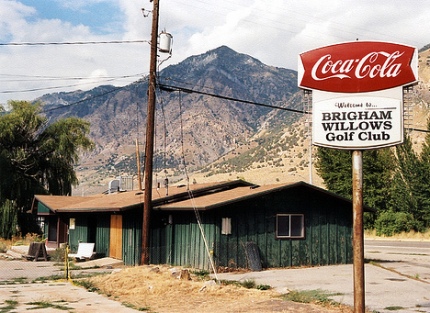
[150, 120]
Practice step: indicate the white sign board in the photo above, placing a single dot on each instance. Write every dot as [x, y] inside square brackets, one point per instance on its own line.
[362, 122]
[357, 92]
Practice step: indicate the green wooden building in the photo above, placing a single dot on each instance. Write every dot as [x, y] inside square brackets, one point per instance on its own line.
[233, 224]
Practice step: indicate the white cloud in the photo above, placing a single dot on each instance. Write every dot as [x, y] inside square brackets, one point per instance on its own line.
[274, 32]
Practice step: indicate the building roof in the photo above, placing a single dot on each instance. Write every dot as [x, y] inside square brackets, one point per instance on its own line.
[213, 200]
[180, 198]
[122, 201]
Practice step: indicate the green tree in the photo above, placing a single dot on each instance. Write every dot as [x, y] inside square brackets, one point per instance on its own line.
[8, 220]
[37, 157]
[335, 167]
[405, 183]
[424, 176]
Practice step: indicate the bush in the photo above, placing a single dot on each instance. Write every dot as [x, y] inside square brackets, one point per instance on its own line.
[389, 223]
[3, 247]
[8, 220]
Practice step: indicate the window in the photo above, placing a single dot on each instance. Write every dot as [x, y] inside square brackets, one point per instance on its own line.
[290, 226]
[226, 226]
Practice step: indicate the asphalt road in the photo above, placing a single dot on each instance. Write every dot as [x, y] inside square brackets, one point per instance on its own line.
[397, 276]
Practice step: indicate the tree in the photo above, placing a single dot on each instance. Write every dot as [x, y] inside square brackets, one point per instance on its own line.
[37, 157]
[425, 178]
[335, 167]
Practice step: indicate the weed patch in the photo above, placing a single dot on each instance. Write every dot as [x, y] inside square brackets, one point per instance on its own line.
[45, 305]
[310, 296]
[132, 306]
[86, 284]
[394, 308]
[45, 279]
[17, 280]
[202, 274]
[10, 306]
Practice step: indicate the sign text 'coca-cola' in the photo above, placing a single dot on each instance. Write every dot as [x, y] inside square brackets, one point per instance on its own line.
[359, 66]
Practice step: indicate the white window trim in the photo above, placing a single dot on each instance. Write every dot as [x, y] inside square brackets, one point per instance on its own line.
[289, 226]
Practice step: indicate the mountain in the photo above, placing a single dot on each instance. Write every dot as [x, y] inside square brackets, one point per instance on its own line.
[194, 129]
[202, 134]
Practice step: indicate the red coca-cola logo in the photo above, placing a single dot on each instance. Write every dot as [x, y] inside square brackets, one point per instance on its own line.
[359, 66]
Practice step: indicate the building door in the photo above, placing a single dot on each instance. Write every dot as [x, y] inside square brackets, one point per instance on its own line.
[115, 249]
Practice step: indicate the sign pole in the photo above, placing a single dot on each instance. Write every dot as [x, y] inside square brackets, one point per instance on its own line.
[358, 236]
[357, 105]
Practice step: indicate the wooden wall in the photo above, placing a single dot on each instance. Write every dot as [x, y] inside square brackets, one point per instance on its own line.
[328, 231]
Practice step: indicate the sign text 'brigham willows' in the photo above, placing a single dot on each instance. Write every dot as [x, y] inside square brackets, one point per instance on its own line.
[351, 122]
[361, 125]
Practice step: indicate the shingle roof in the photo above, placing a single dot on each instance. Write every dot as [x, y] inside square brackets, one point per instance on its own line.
[122, 201]
[212, 200]
[199, 196]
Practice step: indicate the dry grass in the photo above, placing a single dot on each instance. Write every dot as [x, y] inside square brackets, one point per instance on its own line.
[19, 241]
[412, 235]
[155, 289]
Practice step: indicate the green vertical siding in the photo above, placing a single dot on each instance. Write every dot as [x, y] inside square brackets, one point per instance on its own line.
[182, 243]
[91, 228]
[80, 233]
[328, 227]
[131, 237]
[102, 235]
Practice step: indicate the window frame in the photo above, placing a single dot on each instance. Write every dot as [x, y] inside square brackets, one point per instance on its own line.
[289, 236]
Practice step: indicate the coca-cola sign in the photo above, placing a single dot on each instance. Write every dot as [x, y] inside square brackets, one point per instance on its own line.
[359, 66]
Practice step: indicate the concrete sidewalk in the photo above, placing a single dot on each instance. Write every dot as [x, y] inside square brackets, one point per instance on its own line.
[399, 280]
[58, 297]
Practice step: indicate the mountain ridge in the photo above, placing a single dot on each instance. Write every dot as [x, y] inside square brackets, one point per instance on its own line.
[204, 137]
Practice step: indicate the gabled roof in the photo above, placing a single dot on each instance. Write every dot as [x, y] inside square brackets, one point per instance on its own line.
[213, 200]
[198, 196]
[127, 200]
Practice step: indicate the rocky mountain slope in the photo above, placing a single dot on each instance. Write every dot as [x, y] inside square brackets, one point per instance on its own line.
[205, 137]
[192, 129]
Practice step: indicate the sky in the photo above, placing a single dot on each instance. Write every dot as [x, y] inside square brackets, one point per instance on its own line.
[275, 32]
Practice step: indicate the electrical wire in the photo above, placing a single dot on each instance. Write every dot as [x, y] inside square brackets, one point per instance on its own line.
[182, 142]
[187, 90]
[87, 99]
[54, 87]
[29, 78]
[64, 43]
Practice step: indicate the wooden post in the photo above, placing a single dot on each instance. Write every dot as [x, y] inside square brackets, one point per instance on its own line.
[150, 121]
[139, 171]
[358, 237]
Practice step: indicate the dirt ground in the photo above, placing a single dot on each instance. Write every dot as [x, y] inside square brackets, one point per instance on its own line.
[158, 289]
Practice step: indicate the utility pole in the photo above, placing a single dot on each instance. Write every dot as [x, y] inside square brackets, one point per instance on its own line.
[150, 121]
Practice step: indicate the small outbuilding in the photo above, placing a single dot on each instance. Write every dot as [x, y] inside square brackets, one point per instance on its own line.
[234, 224]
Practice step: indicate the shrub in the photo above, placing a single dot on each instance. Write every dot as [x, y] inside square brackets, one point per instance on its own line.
[3, 247]
[389, 223]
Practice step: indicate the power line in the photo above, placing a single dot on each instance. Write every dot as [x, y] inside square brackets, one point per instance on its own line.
[187, 90]
[84, 100]
[63, 43]
[22, 77]
[170, 88]
[107, 79]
